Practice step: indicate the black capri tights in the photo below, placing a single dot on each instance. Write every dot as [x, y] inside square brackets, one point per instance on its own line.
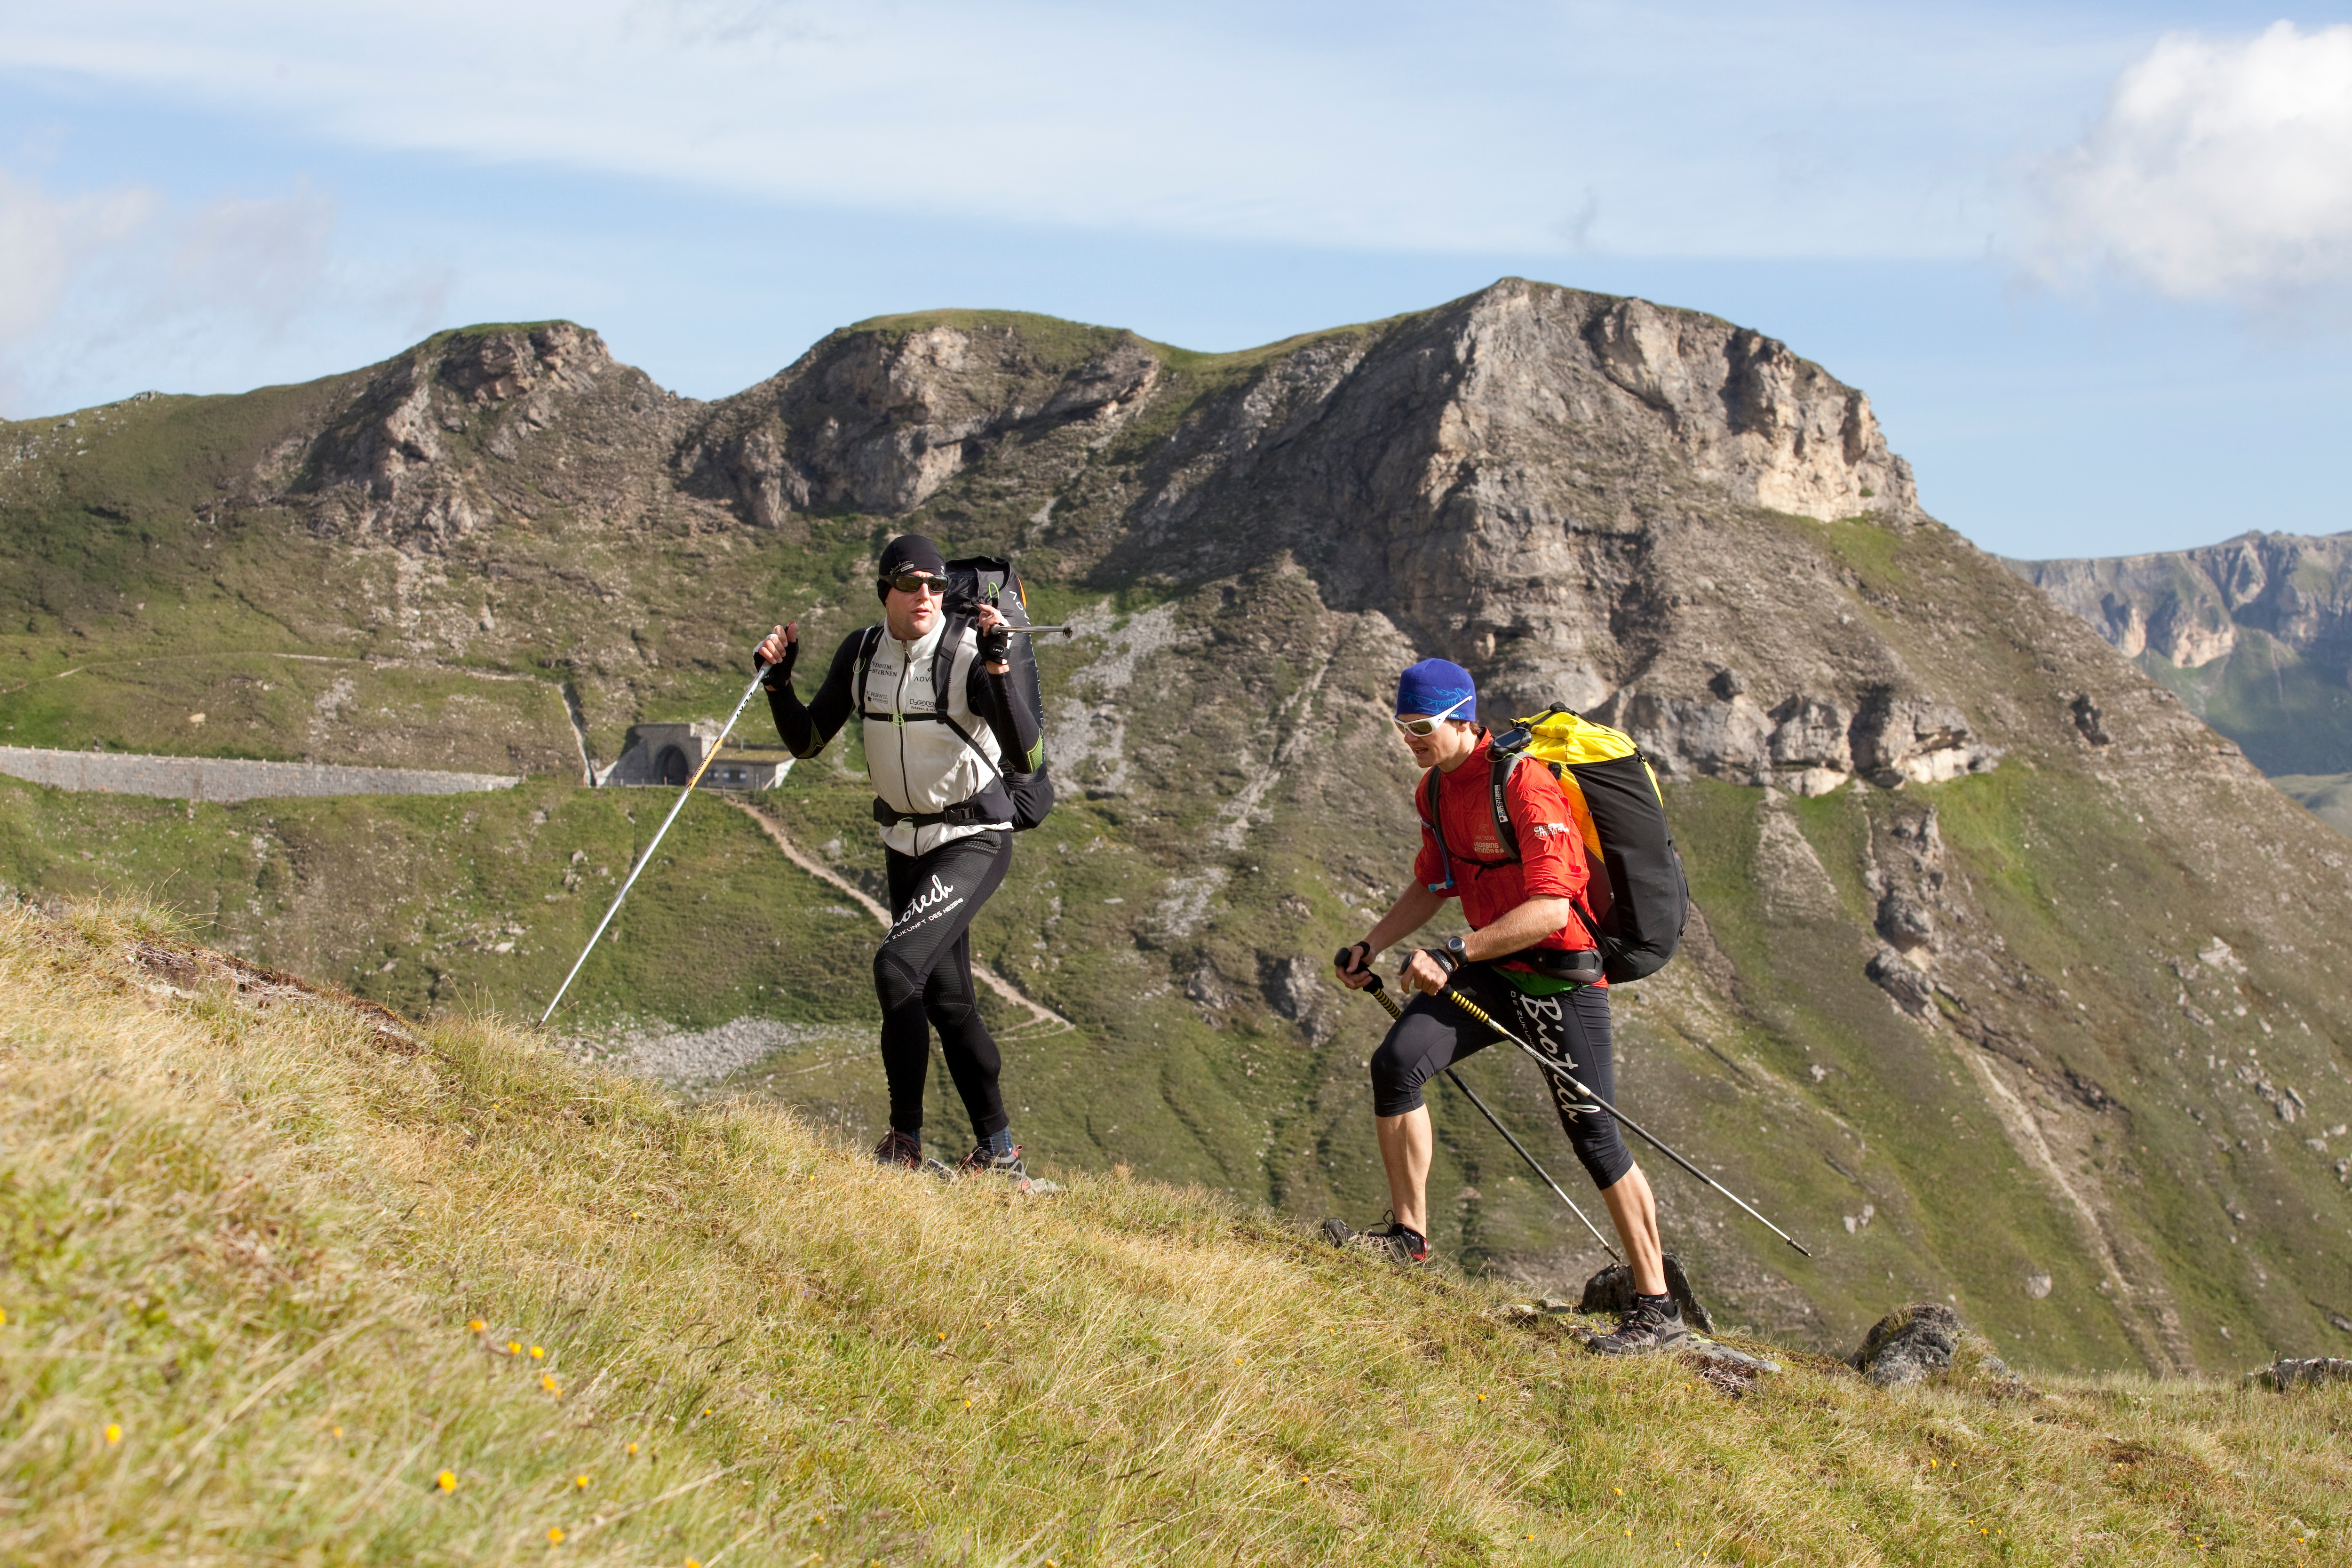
[1571, 1027]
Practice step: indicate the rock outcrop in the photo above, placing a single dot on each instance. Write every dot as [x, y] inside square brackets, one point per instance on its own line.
[879, 416]
[1927, 1342]
[2188, 605]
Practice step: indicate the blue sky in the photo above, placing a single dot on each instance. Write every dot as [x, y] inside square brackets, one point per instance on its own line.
[2093, 263]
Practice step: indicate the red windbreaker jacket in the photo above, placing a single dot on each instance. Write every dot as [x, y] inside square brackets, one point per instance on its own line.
[1551, 863]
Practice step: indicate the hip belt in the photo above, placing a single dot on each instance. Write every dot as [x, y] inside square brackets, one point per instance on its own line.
[977, 812]
[1581, 965]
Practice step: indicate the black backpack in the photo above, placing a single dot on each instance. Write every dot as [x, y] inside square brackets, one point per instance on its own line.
[975, 581]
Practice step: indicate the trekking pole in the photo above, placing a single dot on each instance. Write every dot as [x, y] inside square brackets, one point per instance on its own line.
[1380, 994]
[646, 858]
[1481, 1015]
[1035, 631]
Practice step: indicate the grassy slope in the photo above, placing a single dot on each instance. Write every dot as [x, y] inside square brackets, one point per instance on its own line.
[245, 1245]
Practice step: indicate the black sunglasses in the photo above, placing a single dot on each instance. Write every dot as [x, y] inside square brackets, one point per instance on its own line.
[914, 583]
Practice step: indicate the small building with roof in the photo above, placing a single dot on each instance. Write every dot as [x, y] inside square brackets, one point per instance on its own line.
[668, 754]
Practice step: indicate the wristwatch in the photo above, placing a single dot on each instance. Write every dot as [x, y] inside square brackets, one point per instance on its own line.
[1456, 951]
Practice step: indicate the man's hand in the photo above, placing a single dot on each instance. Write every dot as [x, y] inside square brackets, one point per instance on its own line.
[779, 647]
[1355, 966]
[995, 639]
[1423, 973]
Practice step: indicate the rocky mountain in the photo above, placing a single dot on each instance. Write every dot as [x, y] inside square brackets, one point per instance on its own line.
[2008, 980]
[2253, 635]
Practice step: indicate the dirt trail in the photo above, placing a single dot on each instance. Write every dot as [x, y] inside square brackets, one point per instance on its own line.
[1041, 1017]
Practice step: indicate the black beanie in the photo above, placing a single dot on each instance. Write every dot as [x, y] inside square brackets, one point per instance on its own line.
[910, 552]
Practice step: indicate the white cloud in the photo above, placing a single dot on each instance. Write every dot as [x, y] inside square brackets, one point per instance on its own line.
[45, 240]
[123, 288]
[1532, 126]
[2222, 169]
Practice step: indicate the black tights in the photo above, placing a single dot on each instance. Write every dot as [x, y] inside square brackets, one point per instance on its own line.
[1571, 1027]
[923, 977]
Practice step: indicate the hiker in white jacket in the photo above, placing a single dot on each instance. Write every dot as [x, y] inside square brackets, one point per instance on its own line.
[939, 770]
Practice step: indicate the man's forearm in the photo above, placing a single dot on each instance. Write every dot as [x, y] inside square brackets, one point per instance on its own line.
[1414, 909]
[1519, 928]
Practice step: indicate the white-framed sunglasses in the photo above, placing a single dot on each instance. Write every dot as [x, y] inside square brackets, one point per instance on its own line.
[1419, 727]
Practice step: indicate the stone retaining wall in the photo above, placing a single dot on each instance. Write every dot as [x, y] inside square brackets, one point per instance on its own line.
[223, 779]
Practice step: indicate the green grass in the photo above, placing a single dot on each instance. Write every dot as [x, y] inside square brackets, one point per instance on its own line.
[251, 1234]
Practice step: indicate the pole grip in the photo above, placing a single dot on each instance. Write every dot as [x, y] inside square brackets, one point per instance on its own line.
[1379, 992]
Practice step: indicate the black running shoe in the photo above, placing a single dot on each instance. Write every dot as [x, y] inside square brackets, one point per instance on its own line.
[1390, 1241]
[1645, 1329]
[902, 1149]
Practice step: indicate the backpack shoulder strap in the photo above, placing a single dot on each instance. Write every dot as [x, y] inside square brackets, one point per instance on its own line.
[943, 659]
[866, 662]
[1425, 799]
[1498, 785]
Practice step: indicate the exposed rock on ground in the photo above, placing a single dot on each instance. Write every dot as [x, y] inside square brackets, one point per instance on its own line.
[2311, 1372]
[1733, 1372]
[1926, 1342]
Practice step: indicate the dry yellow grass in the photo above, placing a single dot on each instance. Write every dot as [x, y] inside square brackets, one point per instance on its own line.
[247, 1233]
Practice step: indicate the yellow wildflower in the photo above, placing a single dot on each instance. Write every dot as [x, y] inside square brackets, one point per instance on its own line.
[476, 1326]
[113, 1433]
[632, 1448]
[555, 1535]
[580, 1481]
[513, 1348]
[537, 1354]
[447, 1481]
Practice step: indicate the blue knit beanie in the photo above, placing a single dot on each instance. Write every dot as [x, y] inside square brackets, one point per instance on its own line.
[1434, 685]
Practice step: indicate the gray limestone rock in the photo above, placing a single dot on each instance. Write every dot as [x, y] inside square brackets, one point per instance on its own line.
[2313, 1371]
[1909, 1344]
[1894, 975]
[1735, 1372]
[1926, 1342]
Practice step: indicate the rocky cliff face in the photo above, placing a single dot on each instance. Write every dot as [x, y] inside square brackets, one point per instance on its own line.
[2256, 635]
[2186, 605]
[2007, 977]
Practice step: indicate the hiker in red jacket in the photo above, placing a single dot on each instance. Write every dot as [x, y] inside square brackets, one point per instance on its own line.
[1528, 958]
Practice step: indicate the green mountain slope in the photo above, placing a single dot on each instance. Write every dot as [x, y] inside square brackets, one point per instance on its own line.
[1998, 954]
[291, 1280]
